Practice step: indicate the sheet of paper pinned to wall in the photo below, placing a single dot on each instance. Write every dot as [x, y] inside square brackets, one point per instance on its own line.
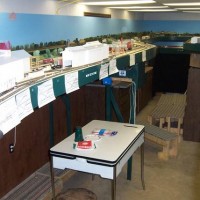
[10, 118]
[113, 67]
[144, 56]
[132, 59]
[24, 105]
[45, 93]
[71, 82]
[103, 71]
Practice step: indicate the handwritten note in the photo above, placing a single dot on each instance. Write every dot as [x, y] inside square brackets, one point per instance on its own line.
[45, 93]
[132, 59]
[103, 71]
[71, 82]
[9, 117]
[113, 67]
[24, 105]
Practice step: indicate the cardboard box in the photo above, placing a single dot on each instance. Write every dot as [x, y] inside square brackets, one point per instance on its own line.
[195, 60]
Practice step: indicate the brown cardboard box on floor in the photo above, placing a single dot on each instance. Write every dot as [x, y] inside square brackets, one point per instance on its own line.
[195, 60]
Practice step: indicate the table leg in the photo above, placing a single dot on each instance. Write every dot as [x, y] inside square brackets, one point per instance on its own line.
[142, 166]
[93, 176]
[52, 178]
[114, 184]
[129, 169]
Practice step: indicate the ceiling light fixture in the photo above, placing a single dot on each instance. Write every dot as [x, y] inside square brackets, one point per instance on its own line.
[192, 11]
[107, 3]
[138, 7]
[183, 4]
[154, 10]
[188, 8]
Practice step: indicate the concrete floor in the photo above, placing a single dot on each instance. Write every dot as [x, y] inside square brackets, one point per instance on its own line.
[175, 179]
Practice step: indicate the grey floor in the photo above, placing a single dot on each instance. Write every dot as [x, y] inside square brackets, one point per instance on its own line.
[175, 179]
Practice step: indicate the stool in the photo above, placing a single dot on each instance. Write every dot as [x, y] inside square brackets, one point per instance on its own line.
[77, 194]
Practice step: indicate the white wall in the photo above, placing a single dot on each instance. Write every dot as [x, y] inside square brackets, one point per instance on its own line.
[28, 6]
[53, 7]
[171, 16]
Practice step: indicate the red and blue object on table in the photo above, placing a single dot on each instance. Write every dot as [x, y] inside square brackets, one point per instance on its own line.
[84, 144]
[104, 132]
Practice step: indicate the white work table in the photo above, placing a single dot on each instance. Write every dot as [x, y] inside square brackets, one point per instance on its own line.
[109, 156]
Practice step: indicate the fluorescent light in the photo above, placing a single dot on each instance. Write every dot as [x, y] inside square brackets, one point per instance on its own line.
[106, 3]
[192, 11]
[188, 8]
[183, 4]
[154, 10]
[138, 7]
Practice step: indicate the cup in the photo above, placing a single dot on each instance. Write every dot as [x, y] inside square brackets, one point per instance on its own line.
[78, 134]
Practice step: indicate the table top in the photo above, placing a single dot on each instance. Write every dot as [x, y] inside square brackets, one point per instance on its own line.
[109, 149]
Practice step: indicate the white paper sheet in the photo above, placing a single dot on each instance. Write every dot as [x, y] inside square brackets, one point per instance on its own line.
[144, 56]
[9, 117]
[113, 67]
[24, 105]
[71, 82]
[45, 93]
[132, 59]
[103, 71]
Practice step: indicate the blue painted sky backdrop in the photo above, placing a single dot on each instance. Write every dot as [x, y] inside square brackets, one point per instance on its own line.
[36, 28]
